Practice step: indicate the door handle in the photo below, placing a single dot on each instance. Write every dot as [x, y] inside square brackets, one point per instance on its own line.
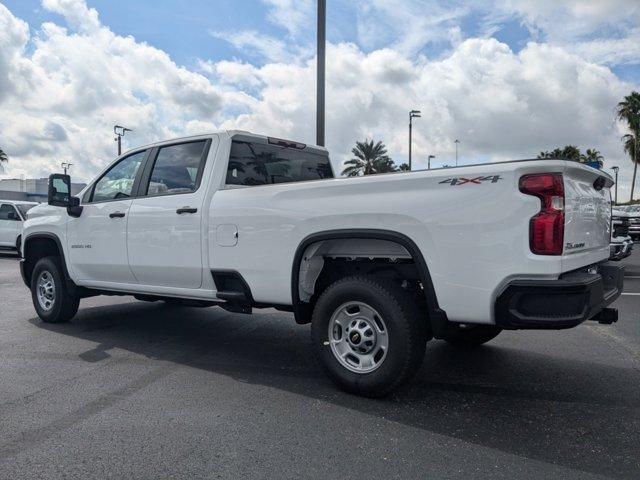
[116, 215]
[186, 210]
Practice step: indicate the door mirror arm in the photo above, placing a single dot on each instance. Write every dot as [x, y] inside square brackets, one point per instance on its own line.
[74, 209]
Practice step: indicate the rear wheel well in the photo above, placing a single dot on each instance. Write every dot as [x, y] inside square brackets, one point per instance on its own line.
[335, 255]
[36, 248]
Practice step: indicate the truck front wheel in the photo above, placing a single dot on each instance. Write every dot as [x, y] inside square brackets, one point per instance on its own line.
[51, 298]
[472, 336]
[368, 335]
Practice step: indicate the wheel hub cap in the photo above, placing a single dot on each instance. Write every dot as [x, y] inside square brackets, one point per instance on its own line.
[45, 290]
[358, 337]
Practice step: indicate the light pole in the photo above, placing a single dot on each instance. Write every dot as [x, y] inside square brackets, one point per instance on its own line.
[615, 170]
[412, 114]
[66, 166]
[429, 161]
[457, 142]
[320, 70]
[119, 131]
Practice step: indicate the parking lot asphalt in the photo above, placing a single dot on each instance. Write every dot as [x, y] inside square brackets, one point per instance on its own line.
[144, 390]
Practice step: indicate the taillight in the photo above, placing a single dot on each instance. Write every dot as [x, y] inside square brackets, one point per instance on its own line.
[546, 228]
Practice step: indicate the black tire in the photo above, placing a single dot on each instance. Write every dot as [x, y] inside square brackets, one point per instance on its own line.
[405, 327]
[19, 246]
[64, 306]
[473, 336]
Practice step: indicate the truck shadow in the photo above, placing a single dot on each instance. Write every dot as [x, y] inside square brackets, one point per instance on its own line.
[578, 414]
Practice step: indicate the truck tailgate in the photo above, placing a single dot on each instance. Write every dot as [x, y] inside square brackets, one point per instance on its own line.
[587, 216]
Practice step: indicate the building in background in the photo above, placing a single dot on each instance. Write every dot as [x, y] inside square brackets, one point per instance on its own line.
[30, 189]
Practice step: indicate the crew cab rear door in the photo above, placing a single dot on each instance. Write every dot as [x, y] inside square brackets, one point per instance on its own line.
[587, 216]
[164, 232]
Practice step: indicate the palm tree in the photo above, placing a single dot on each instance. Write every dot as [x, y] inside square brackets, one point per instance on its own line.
[3, 159]
[591, 156]
[569, 152]
[629, 111]
[369, 158]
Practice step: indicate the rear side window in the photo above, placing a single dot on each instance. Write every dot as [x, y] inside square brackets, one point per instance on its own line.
[177, 169]
[262, 164]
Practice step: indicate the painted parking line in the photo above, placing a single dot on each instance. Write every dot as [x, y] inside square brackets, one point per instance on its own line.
[631, 293]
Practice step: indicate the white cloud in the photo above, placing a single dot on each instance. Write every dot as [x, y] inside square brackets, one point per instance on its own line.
[295, 16]
[408, 25]
[61, 97]
[257, 44]
[602, 31]
[75, 12]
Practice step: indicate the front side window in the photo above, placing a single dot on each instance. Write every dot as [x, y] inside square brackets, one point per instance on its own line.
[176, 169]
[261, 164]
[7, 212]
[117, 183]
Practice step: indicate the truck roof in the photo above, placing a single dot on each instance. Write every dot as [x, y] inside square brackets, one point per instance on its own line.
[242, 135]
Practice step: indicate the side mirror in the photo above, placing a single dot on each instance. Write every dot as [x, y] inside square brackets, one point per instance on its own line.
[60, 194]
[59, 190]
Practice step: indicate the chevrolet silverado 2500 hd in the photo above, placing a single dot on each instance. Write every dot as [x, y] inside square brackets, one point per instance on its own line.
[378, 265]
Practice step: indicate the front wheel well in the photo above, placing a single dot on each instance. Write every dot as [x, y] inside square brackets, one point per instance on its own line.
[36, 248]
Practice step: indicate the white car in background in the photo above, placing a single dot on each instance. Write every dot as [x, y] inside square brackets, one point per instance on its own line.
[12, 216]
[621, 243]
[634, 220]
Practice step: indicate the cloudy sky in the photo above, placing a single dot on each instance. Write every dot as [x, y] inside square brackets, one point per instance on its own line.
[508, 78]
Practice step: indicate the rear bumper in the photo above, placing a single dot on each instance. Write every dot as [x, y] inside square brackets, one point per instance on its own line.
[557, 304]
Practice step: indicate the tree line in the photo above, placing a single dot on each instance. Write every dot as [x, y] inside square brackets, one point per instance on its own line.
[571, 152]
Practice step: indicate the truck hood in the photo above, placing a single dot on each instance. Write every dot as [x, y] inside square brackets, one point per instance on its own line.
[42, 210]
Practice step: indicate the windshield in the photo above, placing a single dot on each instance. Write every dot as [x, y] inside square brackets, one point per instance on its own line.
[23, 208]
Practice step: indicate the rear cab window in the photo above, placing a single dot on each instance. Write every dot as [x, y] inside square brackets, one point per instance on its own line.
[260, 163]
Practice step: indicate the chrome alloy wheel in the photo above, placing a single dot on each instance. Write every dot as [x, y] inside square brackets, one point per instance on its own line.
[46, 290]
[358, 337]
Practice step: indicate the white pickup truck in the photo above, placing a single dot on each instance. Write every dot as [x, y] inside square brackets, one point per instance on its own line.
[378, 265]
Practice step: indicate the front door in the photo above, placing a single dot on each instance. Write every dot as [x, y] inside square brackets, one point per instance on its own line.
[97, 240]
[164, 237]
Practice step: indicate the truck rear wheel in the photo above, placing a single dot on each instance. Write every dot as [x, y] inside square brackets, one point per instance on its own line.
[51, 298]
[473, 335]
[368, 335]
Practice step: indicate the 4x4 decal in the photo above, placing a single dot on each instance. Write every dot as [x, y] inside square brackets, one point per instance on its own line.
[476, 180]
